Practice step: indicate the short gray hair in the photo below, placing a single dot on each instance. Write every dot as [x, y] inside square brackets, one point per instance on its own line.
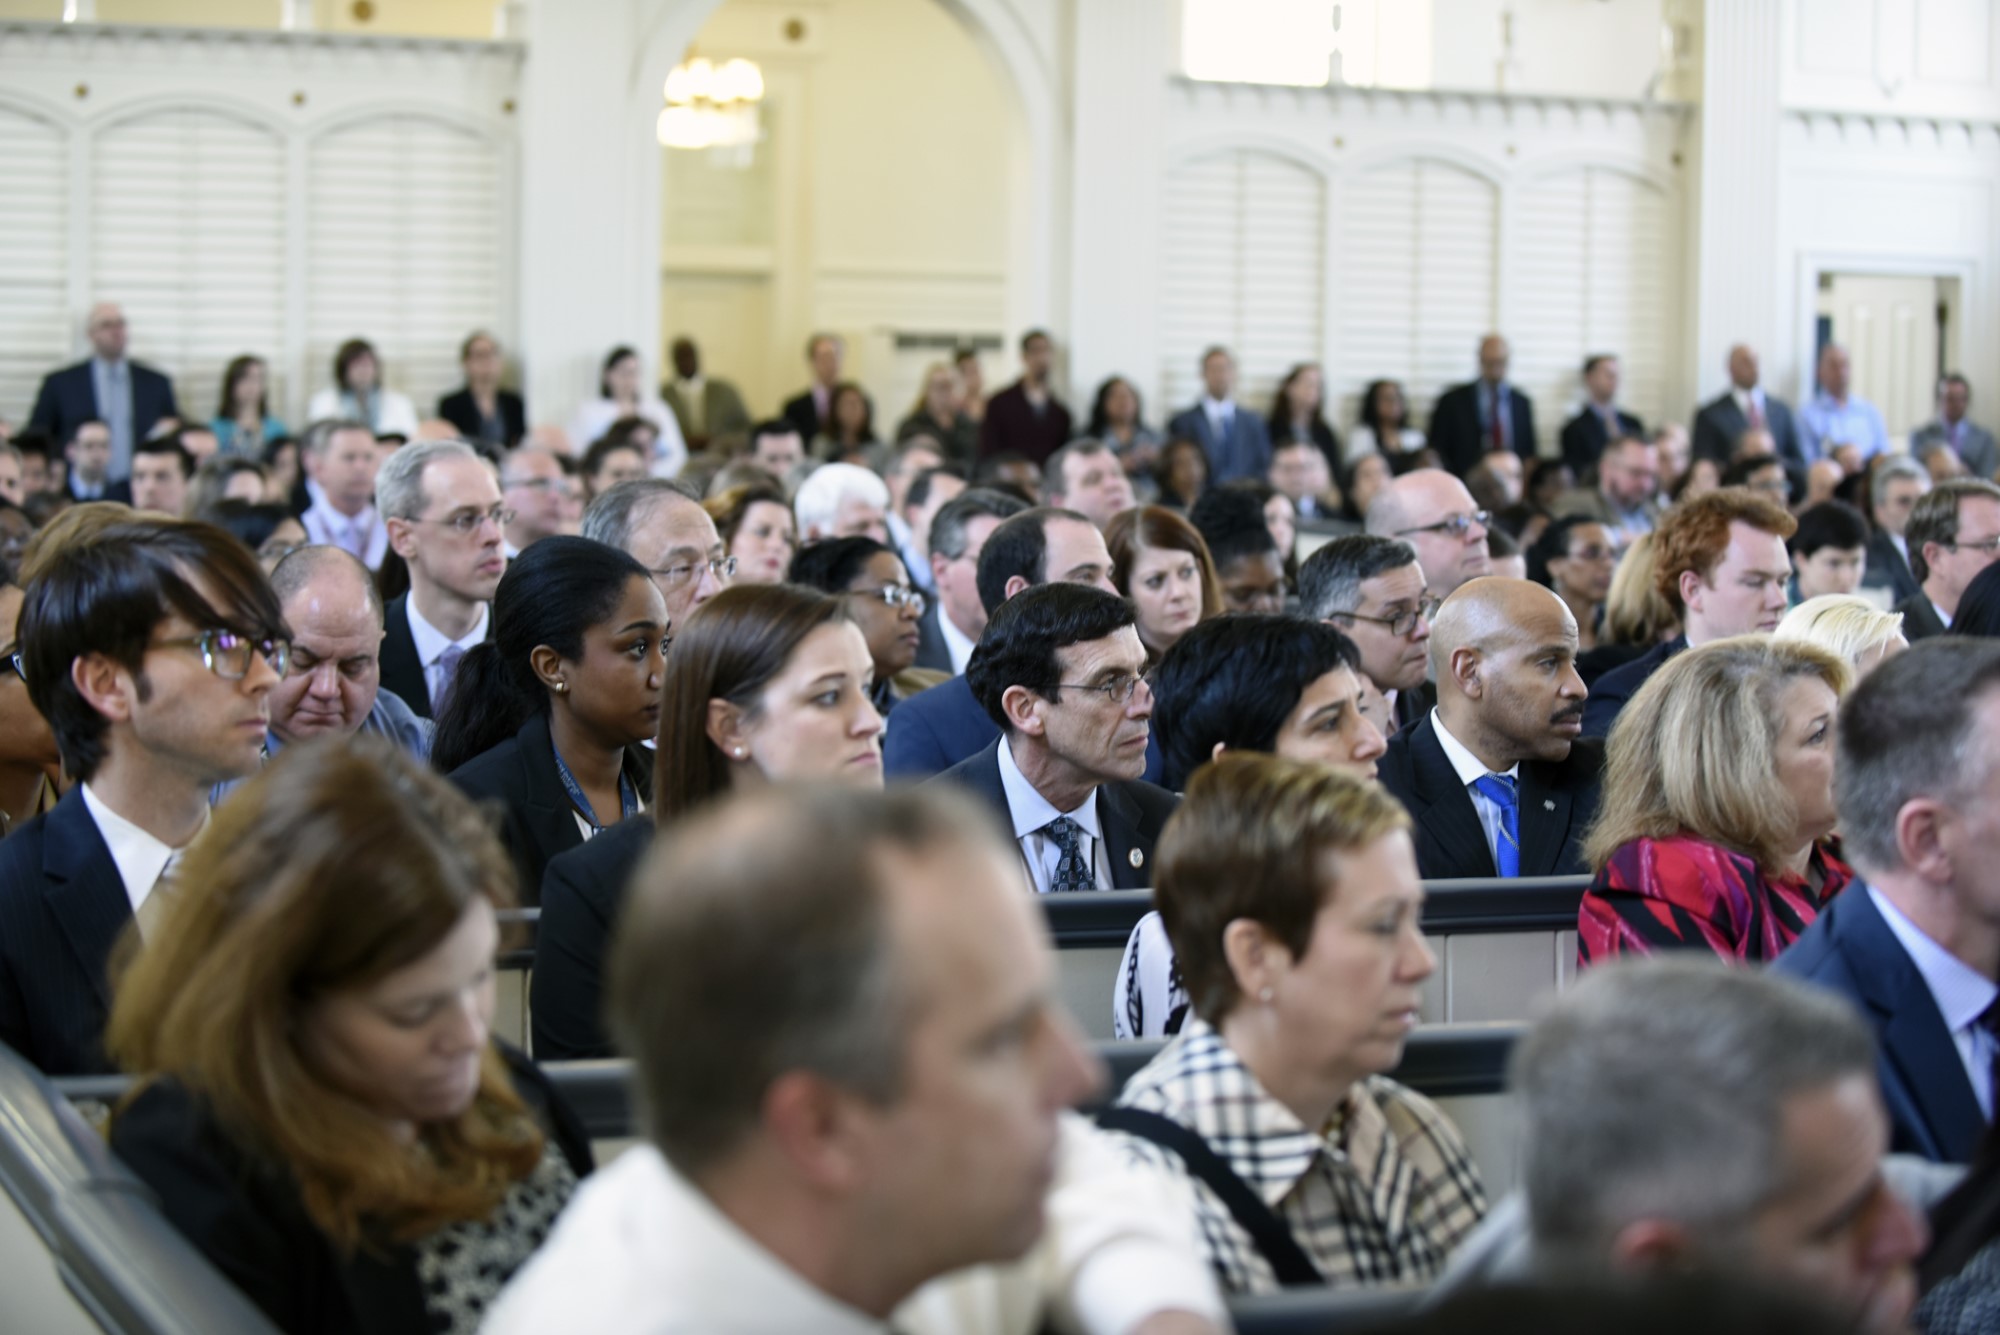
[302, 566]
[614, 514]
[1902, 468]
[1908, 733]
[820, 496]
[1330, 580]
[399, 486]
[1052, 468]
[321, 433]
[1655, 1089]
[948, 524]
[768, 917]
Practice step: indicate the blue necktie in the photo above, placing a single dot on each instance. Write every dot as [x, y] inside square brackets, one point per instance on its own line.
[1073, 870]
[1499, 790]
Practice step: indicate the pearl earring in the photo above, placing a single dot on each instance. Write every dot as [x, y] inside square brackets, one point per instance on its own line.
[739, 753]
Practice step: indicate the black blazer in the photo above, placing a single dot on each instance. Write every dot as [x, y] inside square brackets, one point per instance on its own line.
[1888, 570]
[119, 491]
[1849, 949]
[459, 410]
[68, 398]
[803, 413]
[62, 908]
[582, 892]
[1132, 813]
[932, 651]
[1610, 692]
[1720, 422]
[1455, 432]
[1584, 439]
[1413, 705]
[402, 670]
[1558, 802]
[537, 821]
[1920, 618]
[243, 1212]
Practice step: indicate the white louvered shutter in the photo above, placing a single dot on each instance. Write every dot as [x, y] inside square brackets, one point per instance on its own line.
[405, 239]
[1416, 275]
[36, 335]
[1243, 248]
[1593, 273]
[187, 234]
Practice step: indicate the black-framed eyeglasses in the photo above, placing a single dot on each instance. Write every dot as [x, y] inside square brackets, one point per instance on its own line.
[560, 486]
[275, 552]
[675, 576]
[466, 522]
[897, 596]
[1117, 691]
[1403, 624]
[1985, 546]
[1456, 525]
[228, 655]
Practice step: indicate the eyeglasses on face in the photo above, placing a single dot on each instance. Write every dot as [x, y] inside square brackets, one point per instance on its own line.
[1403, 624]
[466, 522]
[1456, 525]
[1118, 690]
[228, 655]
[897, 596]
[723, 567]
[1985, 546]
[558, 486]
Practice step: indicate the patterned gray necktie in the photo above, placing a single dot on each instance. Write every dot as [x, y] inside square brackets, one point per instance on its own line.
[1073, 869]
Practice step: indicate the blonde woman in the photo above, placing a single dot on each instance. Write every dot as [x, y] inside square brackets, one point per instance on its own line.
[939, 413]
[1636, 616]
[1714, 832]
[1849, 627]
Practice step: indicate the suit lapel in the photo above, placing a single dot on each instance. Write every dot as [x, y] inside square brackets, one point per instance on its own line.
[545, 806]
[85, 893]
[1118, 816]
[1545, 817]
[1445, 816]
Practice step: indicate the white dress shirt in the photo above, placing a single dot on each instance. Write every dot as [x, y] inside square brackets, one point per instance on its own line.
[141, 859]
[361, 535]
[640, 1251]
[1745, 397]
[956, 643]
[394, 414]
[1962, 995]
[1221, 414]
[670, 452]
[1030, 811]
[432, 642]
[1470, 769]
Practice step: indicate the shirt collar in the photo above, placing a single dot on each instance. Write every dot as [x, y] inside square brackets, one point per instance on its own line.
[1213, 406]
[1467, 766]
[1942, 615]
[956, 642]
[1031, 811]
[432, 642]
[1962, 993]
[138, 855]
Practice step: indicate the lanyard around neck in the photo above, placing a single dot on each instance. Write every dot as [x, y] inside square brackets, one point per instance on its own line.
[628, 796]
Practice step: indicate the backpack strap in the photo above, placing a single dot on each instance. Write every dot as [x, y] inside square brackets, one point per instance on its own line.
[1272, 1238]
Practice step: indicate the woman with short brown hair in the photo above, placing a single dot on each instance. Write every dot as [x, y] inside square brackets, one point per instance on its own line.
[320, 1105]
[1161, 563]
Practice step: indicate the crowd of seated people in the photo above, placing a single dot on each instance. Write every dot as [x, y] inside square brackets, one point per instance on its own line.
[286, 722]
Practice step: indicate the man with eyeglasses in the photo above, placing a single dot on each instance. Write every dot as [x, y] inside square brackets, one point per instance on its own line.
[1373, 590]
[544, 499]
[446, 520]
[664, 528]
[1061, 671]
[151, 648]
[1953, 534]
[1720, 562]
[1436, 515]
[1626, 498]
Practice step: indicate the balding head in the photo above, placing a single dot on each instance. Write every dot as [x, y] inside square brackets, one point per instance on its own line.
[665, 530]
[1504, 654]
[1493, 358]
[1432, 511]
[106, 329]
[543, 497]
[335, 616]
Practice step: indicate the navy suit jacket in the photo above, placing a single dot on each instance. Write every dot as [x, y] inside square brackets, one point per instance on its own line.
[68, 398]
[1246, 453]
[1455, 432]
[62, 908]
[1584, 439]
[1558, 802]
[1609, 693]
[1720, 422]
[1849, 949]
[1131, 814]
[582, 891]
[402, 670]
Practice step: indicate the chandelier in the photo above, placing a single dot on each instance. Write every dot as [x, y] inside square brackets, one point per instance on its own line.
[712, 106]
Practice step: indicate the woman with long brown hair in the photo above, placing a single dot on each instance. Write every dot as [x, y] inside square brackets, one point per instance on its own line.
[320, 1104]
[1160, 562]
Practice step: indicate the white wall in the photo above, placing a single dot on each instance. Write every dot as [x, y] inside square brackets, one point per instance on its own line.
[253, 192]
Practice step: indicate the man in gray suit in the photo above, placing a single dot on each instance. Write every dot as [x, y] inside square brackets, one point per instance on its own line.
[1974, 444]
[1720, 424]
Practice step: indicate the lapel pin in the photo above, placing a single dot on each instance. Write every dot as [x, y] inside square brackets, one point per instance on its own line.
[1548, 804]
[1136, 858]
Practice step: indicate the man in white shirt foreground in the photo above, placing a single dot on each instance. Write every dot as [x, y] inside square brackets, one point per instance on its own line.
[873, 1100]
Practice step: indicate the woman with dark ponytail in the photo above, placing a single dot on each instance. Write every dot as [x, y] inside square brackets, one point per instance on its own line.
[545, 719]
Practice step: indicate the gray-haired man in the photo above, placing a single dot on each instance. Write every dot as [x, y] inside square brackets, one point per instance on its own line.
[446, 520]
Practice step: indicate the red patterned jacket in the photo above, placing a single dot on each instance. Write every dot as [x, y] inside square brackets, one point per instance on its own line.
[1685, 893]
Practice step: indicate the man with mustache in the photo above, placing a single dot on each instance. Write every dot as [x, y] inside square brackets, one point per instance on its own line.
[1497, 777]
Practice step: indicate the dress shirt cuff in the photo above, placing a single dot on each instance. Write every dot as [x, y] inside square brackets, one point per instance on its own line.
[1132, 1278]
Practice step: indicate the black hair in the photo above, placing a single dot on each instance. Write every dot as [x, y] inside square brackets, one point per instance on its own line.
[919, 494]
[775, 426]
[832, 564]
[1553, 545]
[36, 442]
[948, 524]
[607, 445]
[1020, 546]
[1235, 679]
[1022, 635]
[553, 592]
[1979, 606]
[1100, 415]
[169, 445]
[1739, 473]
[250, 522]
[108, 595]
[1829, 524]
[615, 356]
[1231, 522]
